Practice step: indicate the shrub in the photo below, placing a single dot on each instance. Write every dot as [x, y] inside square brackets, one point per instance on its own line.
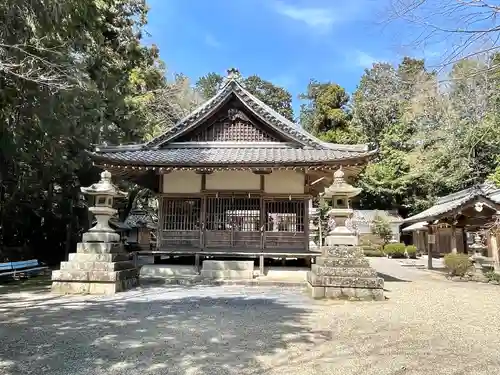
[411, 250]
[492, 276]
[373, 253]
[395, 250]
[457, 264]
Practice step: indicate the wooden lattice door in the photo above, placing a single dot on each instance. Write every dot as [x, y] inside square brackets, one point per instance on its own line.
[232, 222]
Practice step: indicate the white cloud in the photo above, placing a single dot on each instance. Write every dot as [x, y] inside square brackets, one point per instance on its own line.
[212, 41]
[284, 80]
[364, 60]
[320, 19]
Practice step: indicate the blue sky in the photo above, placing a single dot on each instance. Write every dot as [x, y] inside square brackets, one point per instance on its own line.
[284, 41]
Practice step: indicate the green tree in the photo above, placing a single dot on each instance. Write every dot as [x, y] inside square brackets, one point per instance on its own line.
[326, 114]
[380, 108]
[208, 85]
[72, 74]
[381, 227]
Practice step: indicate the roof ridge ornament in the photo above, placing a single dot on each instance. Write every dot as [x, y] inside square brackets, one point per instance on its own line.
[233, 75]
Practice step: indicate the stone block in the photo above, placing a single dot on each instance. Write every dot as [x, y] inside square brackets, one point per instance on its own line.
[96, 266]
[99, 248]
[343, 262]
[167, 271]
[65, 287]
[233, 265]
[343, 252]
[316, 292]
[91, 257]
[343, 271]
[93, 276]
[336, 240]
[100, 237]
[227, 274]
[346, 281]
[333, 293]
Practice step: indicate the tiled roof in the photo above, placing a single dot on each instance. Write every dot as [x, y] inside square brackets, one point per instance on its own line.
[367, 216]
[301, 147]
[216, 156]
[140, 218]
[421, 225]
[451, 202]
[268, 115]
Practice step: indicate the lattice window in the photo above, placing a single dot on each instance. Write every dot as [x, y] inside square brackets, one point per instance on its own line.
[232, 131]
[238, 214]
[180, 214]
[285, 216]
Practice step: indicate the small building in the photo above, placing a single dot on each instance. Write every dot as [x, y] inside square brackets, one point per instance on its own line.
[234, 176]
[446, 226]
[363, 222]
[137, 229]
[141, 223]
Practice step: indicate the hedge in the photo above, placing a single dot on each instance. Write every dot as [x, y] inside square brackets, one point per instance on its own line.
[457, 264]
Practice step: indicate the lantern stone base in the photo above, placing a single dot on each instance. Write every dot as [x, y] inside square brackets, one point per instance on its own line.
[106, 237]
[342, 272]
[95, 268]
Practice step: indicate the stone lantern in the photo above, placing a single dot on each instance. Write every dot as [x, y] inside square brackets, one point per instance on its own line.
[342, 271]
[339, 216]
[103, 192]
[100, 264]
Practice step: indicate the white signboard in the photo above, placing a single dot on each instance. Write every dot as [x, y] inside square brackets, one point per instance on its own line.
[431, 238]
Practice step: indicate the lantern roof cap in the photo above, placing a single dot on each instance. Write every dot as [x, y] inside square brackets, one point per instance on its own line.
[104, 187]
[340, 186]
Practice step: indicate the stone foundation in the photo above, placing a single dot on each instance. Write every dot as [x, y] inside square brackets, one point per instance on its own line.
[227, 270]
[342, 272]
[95, 268]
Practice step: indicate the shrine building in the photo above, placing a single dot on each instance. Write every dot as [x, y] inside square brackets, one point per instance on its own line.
[234, 176]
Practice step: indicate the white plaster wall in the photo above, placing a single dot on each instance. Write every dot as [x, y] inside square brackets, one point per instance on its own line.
[181, 182]
[284, 182]
[233, 180]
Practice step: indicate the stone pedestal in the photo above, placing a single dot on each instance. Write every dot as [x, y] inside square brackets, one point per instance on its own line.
[342, 272]
[95, 268]
[100, 264]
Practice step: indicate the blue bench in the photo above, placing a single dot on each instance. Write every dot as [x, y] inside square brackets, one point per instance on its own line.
[24, 267]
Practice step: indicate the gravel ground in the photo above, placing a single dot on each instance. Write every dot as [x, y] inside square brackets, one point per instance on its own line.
[427, 325]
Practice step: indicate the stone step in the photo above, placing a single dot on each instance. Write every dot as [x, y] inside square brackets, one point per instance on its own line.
[234, 265]
[343, 271]
[227, 274]
[99, 248]
[342, 262]
[96, 266]
[341, 251]
[82, 287]
[362, 294]
[92, 257]
[167, 270]
[97, 276]
[345, 282]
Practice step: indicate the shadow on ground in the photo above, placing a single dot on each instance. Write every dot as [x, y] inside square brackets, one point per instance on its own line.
[163, 331]
[390, 278]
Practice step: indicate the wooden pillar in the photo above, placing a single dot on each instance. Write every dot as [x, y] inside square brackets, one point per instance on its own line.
[464, 240]
[453, 239]
[431, 244]
[305, 223]
[261, 265]
[494, 251]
